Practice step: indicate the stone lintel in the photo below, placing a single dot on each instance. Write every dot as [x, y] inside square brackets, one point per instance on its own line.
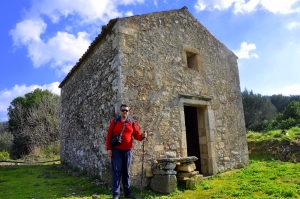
[194, 102]
[195, 99]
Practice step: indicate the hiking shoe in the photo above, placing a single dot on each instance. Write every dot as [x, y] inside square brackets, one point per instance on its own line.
[130, 196]
[115, 197]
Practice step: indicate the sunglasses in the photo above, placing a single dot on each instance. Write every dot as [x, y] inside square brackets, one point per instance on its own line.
[124, 110]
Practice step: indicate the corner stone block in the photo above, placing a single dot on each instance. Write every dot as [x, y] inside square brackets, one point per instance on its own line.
[164, 183]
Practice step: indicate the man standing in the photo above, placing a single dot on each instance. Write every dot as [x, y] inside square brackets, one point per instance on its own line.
[121, 154]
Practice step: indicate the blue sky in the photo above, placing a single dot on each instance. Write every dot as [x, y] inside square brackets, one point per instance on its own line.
[41, 40]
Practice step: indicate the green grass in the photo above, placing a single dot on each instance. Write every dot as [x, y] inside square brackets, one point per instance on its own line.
[262, 179]
[293, 134]
[45, 181]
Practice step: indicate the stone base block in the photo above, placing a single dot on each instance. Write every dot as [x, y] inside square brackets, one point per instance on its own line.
[164, 183]
[193, 181]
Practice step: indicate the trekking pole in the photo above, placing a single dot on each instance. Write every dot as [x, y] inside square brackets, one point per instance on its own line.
[143, 154]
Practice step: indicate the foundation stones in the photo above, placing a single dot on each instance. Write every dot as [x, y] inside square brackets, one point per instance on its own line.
[165, 178]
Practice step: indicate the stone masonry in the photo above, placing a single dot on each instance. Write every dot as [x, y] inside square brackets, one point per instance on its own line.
[157, 63]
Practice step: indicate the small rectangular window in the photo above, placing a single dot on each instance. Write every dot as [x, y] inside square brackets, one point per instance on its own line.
[191, 59]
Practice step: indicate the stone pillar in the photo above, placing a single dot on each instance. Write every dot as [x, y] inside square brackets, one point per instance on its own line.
[164, 181]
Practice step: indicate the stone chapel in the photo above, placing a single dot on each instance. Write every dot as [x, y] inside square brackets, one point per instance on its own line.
[181, 83]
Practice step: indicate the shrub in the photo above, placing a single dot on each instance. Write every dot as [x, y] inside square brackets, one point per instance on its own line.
[6, 141]
[4, 155]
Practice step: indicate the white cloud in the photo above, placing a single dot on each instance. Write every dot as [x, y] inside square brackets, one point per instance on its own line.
[155, 3]
[63, 49]
[128, 14]
[293, 25]
[281, 7]
[213, 4]
[289, 90]
[28, 31]
[6, 96]
[60, 50]
[243, 6]
[244, 51]
[90, 11]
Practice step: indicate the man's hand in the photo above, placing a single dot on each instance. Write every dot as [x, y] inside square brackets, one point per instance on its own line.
[109, 153]
[144, 134]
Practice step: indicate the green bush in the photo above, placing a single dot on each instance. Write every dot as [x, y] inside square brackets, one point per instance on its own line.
[295, 130]
[6, 141]
[4, 155]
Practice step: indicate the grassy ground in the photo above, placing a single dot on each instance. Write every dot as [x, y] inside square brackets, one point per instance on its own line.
[44, 181]
[292, 134]
[262, 179]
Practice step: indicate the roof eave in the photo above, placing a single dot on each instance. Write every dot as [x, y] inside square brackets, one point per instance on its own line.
[104, 30]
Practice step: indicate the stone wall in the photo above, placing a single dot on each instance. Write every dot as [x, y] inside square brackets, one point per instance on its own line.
[88, 104]
[284, 150]
[143, 61]
[154, 73]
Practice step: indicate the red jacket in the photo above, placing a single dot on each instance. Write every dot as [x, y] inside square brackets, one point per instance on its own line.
[131, 130]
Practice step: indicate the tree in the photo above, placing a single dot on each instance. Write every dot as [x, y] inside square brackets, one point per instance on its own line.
[290, 117]
[34, 120]
[281, 101]
[292, 111]
[6, 141]
[3, 127]
[258, 110]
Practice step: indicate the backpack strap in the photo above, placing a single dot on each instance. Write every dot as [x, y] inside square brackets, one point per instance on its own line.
[119, 119]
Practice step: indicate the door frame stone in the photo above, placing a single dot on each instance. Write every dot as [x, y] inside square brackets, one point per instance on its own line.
[203, 102]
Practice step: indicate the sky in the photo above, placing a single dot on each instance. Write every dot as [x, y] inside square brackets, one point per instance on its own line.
[41, 40]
